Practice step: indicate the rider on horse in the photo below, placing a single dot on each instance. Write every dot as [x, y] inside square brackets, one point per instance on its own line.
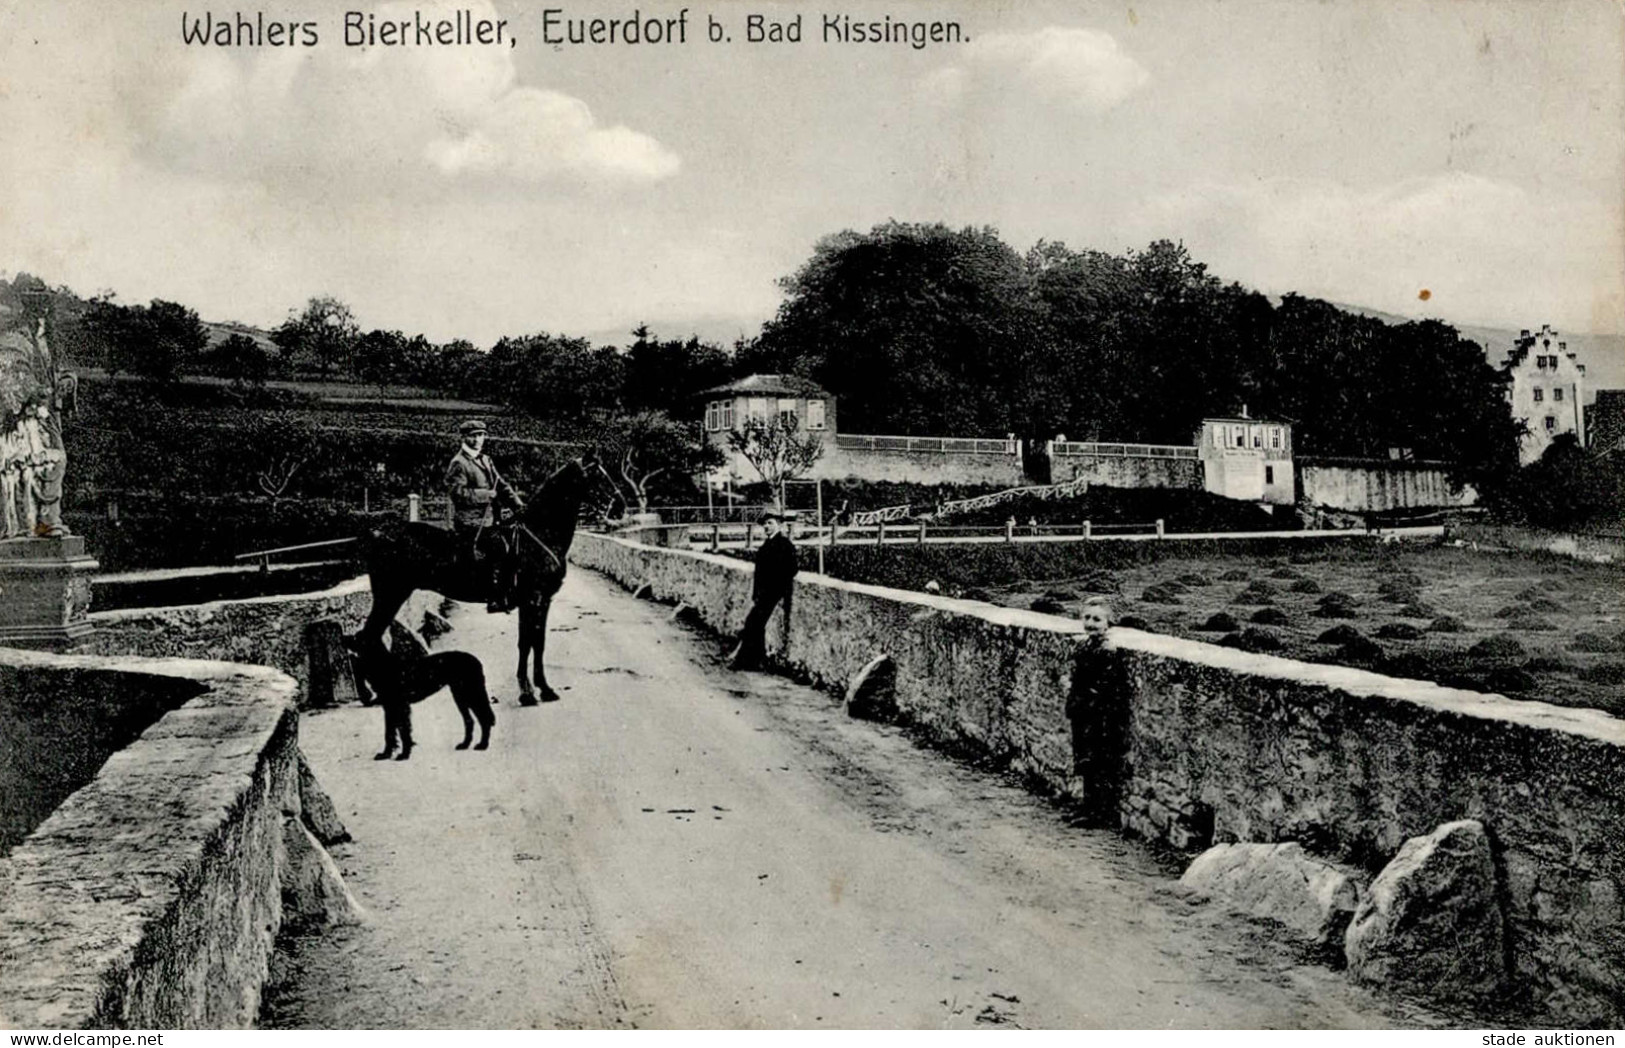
[477, 491]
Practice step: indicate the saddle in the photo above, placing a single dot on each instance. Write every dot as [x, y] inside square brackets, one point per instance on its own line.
[488, 563]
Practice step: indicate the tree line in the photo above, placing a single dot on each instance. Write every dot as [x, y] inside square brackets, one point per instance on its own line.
[930, 330]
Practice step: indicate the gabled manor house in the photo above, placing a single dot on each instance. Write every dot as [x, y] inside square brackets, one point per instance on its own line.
[1240, 458]
[1546, 391]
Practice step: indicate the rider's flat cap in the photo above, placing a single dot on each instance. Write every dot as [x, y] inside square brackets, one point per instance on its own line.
[471, 428]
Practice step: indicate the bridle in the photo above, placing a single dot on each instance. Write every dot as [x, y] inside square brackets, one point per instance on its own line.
[524, 530]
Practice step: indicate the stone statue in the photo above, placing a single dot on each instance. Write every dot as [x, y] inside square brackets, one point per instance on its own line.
[11, 471]
[33, 459]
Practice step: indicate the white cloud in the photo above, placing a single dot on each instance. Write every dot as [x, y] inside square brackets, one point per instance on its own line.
[531, 134]
[388, 119]
[1083, 68]
[1485, 250]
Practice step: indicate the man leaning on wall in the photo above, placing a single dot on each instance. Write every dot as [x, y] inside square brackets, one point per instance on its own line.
[775, 573]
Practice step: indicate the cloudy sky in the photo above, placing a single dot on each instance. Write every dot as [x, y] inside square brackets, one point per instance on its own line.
[1357, 150]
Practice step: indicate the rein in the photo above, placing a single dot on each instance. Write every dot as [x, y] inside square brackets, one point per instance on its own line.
[524, 530]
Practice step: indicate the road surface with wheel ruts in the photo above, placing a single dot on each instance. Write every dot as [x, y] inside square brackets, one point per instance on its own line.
[678, 845]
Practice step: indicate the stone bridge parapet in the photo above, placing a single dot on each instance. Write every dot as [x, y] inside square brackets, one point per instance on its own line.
[1212, 744]
[151, 897]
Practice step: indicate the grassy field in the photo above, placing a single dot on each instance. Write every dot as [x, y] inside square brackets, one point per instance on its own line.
[1528, 626]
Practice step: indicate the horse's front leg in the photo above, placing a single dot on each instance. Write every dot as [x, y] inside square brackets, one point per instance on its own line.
[538, 643]
[527, 625]
[391, 729]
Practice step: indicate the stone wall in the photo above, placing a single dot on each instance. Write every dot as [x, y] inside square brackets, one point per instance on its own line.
[151, 897]
[1215, 744]
[1598, 546]
[53, 747]
[264, 631]
[1128, 471]
[935, 467]
[1379, 486]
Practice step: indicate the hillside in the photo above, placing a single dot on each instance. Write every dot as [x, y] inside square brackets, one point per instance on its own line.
[1602, 355]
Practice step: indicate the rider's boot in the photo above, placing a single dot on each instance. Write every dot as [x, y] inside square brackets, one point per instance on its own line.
[502, 593]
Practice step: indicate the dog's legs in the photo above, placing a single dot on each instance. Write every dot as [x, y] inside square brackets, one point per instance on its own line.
[405, 733]
[468, 717]
[479, 701]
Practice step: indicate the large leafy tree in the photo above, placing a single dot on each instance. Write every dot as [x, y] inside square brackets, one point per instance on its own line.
[919, 328]
[156, 341]
[667, 375]
[324, 331]
[551, 377]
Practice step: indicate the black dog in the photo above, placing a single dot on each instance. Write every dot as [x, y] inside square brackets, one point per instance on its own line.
[399, 683]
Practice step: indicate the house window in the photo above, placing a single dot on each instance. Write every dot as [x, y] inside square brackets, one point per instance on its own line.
[1238, 436]
[1258, 436]
[1540, 394]
[815, 414]
[1551, 424]
[727, 414]
[1557, 393]
[757, 406]
[1275, 438]
[713, 415]
[787, 411]
[1269, 474]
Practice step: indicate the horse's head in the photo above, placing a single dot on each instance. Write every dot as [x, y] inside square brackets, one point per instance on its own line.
[577, 483]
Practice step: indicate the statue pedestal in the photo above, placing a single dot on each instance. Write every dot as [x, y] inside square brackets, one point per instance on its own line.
[45, 592]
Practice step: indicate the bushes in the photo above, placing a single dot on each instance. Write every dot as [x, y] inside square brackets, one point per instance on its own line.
[1604, 673]
[1252, 639]
[998, 564]
[1529, 622]
[1499, 646]
[1360, 651]
[1595, 643]
[1257, 592]
[180, 531]
[1163, 593]
[1340, 635]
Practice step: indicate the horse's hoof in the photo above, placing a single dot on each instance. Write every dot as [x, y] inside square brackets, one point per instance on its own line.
[550, 695]
[482, 745]
[461, 746]
[383, 756]
[405, 755]
[527, 700]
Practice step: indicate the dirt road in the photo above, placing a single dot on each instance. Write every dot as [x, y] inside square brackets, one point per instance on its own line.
[677, 845]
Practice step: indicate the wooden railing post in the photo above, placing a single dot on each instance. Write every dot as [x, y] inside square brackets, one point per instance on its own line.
[1159, 527]
[1088, 527]
[922, 532]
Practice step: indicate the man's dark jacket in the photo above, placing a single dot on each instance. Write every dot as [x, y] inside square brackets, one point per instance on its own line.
[775, 568]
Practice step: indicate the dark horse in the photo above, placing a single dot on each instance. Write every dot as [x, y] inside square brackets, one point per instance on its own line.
[409, 557]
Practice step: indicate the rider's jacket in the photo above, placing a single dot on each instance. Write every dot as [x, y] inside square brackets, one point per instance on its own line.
[475, 487]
